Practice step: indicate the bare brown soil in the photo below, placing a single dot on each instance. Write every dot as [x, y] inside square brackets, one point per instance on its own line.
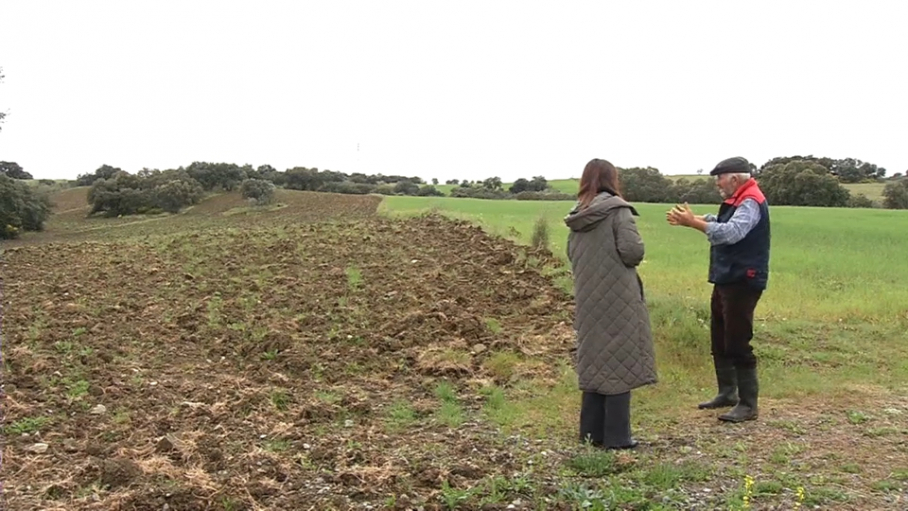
[259, 368]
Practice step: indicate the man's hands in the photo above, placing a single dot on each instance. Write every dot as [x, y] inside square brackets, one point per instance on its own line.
[682, 215]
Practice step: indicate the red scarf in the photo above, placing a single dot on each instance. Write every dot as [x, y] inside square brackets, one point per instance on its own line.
[748, 190]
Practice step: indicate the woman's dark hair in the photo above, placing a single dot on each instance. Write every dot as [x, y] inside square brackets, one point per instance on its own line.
[598, 176]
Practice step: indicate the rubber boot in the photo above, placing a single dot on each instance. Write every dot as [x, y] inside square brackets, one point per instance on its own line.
[748, 388]
[592, 418]
[618, 422]
[727, 382]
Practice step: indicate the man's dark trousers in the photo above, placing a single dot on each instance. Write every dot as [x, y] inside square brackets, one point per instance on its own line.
[732, 323]
[731, 329]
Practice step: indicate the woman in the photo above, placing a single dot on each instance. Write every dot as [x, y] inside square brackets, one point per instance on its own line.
[614, 344]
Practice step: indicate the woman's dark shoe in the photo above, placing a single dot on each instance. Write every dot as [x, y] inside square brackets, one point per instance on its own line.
[632, 445]
[617, 433]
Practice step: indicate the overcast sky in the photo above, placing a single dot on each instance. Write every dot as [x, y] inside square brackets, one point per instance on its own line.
[457, 89]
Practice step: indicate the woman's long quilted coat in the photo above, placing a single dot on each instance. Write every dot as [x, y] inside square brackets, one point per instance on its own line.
[614, 342]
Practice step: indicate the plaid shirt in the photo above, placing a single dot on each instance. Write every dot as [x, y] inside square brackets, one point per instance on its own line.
[742, 221]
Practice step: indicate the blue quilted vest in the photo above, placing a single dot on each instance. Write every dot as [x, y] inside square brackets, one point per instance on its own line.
[747, 260]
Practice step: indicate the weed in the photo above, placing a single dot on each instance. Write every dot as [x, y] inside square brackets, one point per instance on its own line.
[277, 445]
[451, 414]
[856, 417]
[502, 365]
[78, 389]
[540, 239]
[280, 400]
[27, 425]
[354, 278]
[453, 497]
[851, 468]
[900, 474]
[445, 392]
[594, 463]
[64, 347]
[493, 325]
[328, 396]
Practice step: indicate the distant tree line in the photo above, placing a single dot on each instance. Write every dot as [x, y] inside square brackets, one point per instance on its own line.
[115, 192]
[786, 181]
[791, 180]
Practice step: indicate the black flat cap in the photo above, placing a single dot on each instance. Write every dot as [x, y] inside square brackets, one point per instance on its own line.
[731, 165]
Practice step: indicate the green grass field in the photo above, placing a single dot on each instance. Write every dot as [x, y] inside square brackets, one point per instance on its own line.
[829, 335]
[832, 297]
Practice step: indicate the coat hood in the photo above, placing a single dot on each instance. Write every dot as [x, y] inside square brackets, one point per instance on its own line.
[583, 220]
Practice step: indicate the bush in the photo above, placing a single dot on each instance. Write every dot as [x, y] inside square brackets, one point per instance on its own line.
[213, 176]
[802, 183]
[406, 188]
[259, 190]
[545, 196]
[102, 172]
[646, 185]
[173, 196]
[479, 193]
[384, 190]
[860, 201]
[697, 191]
[429, 191]
[347, 187]
[21, 208]
[13, 170]
[895, 195]
[127, 194]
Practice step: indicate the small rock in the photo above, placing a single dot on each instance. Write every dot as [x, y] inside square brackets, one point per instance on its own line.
[165, 445]
[307, 446]
[38, 448]
[98, 410]
[479, 348]
[153, 383]
[348, 423]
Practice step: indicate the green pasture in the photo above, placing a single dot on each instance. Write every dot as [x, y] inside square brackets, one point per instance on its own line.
[835, 312]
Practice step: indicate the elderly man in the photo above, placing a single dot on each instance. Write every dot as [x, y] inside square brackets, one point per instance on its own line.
[738, 269]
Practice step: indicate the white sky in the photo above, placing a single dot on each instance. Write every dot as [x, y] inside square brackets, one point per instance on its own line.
[457, 89]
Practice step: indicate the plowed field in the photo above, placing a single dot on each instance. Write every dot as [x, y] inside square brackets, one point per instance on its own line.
[311, 365]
